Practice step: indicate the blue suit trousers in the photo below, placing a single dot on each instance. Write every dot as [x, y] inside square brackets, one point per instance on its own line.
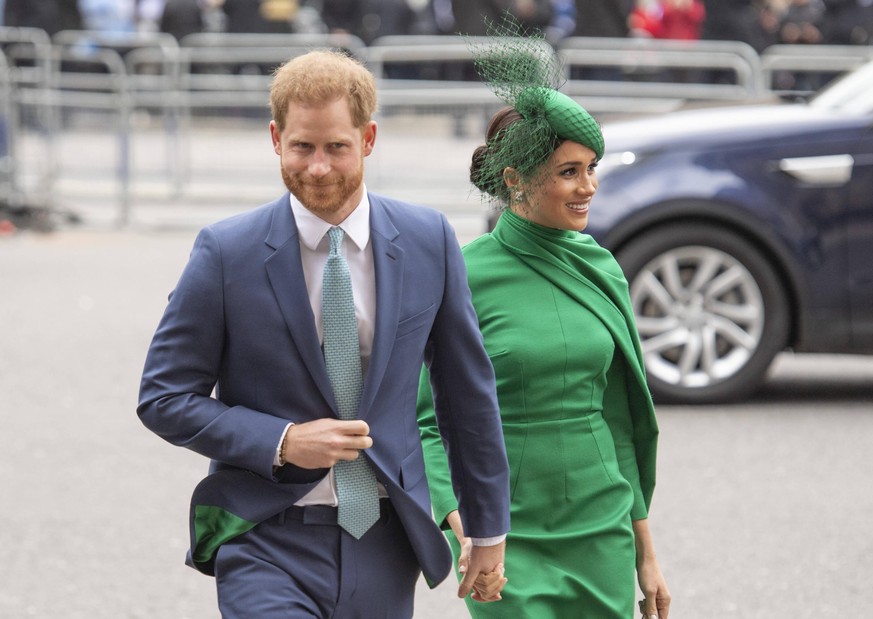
[300, 563]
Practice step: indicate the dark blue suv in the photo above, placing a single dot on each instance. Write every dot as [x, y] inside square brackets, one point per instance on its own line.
[743, 231]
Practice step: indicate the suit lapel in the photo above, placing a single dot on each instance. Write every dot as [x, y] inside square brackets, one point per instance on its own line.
[285, 272]
[388, 264]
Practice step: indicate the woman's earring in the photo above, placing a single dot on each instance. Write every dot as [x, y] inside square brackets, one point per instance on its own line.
[518, 196]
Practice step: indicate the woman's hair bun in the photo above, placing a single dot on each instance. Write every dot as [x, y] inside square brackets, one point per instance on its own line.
[476, 169]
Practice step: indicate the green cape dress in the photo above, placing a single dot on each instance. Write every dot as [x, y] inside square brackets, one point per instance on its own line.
[578, 421]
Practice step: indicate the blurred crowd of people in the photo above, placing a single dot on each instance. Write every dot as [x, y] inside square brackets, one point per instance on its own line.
[760, 23]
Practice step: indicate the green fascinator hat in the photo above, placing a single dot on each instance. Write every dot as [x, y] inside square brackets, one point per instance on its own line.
[568, 119]
[522, 69]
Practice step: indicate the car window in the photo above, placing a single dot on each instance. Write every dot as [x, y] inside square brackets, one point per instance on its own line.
[852, 93]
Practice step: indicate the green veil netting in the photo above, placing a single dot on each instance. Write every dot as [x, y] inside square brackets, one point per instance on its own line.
[522, 69]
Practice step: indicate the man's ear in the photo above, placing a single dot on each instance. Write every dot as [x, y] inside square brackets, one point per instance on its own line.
[368, 133]
[276, 137]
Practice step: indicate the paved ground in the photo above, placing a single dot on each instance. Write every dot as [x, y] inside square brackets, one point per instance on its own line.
[762, 510]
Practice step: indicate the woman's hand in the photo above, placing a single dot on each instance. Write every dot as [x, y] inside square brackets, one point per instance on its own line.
[656, 604]
[487, 586]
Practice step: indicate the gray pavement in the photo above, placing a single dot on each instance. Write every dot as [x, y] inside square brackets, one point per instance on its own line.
[762, 509]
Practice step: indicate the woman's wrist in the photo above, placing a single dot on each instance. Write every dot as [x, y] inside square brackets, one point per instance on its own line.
[454, 520]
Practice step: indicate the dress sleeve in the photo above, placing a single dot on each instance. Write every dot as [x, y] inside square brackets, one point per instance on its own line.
[435, 461]
[619, 416]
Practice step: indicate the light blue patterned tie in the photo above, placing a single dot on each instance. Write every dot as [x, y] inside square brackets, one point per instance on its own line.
[355, 481]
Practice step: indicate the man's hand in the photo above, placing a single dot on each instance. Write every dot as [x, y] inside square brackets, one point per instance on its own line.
[484, 573]
[488, 586]
[322, 443]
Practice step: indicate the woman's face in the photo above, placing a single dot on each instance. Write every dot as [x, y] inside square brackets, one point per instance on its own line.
[561, 192]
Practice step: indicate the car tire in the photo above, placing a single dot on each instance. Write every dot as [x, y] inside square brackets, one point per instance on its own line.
[711, 312]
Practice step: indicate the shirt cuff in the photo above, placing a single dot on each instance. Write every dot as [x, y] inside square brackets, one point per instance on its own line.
[277, 459]
[488, 541]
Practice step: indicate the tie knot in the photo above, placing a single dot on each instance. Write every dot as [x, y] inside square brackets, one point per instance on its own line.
[336, 239]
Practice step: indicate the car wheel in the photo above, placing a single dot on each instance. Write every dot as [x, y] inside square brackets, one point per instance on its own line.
[710, 311]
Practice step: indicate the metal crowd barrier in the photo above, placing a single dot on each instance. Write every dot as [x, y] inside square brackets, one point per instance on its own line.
[630, 76]
[92, 74]
[428, 72]
[8, 189]
[799, 70]
[45, 81]
[607, 75]
[433, 74]
[27, 75]
[234, 70]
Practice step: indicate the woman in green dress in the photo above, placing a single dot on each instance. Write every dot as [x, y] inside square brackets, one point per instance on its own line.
[578, 419]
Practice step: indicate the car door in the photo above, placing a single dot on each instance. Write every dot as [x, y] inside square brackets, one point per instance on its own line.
[859, 238]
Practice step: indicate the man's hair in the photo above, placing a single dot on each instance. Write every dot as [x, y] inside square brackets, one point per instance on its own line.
[323, 76]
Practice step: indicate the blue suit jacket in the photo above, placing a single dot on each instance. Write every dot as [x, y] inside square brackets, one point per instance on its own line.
[240, 321]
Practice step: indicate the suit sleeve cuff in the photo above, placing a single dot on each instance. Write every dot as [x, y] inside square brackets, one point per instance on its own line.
[488, 541]
[277, 459]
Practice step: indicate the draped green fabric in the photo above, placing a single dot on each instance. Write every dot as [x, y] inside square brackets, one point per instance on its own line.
[576, 264]
[578, 421]
[213, 526]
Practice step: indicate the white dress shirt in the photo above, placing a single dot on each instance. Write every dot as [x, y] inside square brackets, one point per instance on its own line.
[314, 249]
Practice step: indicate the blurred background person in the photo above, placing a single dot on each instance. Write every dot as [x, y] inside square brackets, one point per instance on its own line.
[848, 22]
[371, 19]
[563, 22]
[769, 14]
[602, 18]
[668, 19]
[49, 15]
[108, 15]
[181, 18]
[472, 16]
[801, 22]
[729, 20]
[148, 14]
[260, 16]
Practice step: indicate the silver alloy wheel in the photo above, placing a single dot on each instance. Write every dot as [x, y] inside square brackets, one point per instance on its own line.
[700, 315]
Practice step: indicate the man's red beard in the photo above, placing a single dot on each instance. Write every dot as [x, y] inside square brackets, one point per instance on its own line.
[328, 194]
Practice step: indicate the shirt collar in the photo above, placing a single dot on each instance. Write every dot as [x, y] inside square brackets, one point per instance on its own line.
[312, 228]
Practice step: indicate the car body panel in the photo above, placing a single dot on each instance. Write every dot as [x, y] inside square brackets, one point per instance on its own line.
[753, 169]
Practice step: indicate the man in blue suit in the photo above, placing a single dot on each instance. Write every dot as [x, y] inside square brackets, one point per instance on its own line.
[237, 372]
